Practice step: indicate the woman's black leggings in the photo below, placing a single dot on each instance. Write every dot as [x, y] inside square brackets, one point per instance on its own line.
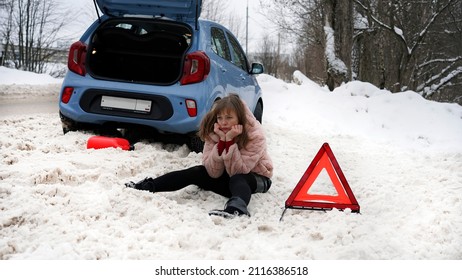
[240, 185]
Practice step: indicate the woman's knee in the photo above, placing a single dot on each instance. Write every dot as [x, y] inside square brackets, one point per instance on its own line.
[256, 183]
[263, 184]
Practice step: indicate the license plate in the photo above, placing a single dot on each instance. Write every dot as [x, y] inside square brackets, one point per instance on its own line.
[128, 104]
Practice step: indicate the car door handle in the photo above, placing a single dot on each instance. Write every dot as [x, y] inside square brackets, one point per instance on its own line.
[242, 76]
[223, 69]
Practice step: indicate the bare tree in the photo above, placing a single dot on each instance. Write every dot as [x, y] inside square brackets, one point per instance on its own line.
[325, 36]
[338, 29]
[269, 55]
[276, 63]
[420, 42]
[218, 11]
[30, 31]
[398, 44]
[6, 28]
[38, 25]
[214, 10]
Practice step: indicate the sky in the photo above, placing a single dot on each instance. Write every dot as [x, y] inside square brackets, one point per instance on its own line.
[259, 24]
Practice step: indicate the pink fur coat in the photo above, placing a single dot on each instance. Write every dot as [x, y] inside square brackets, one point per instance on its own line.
[251, 158]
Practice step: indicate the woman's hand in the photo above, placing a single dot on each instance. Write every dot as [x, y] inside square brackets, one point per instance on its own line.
[219, 132]
[235, 131]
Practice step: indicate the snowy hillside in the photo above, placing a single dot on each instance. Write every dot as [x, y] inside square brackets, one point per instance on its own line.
[401, 154]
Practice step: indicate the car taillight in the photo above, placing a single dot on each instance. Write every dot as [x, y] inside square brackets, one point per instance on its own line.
[67, 93]
[76, 59]
[191, 107]
[196, 68]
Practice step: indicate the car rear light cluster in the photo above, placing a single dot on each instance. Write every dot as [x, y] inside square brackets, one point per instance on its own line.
[196, 68]
[76, 59]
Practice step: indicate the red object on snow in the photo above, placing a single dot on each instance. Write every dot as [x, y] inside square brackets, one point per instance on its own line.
[300, 198]
[102, 142]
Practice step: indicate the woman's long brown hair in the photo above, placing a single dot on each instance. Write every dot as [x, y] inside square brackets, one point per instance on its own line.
[228, 103]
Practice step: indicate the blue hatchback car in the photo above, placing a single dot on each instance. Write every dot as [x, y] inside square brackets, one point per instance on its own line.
[154, 65]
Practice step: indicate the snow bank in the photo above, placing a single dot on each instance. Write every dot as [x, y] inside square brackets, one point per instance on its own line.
[17, 85]
[10, 76]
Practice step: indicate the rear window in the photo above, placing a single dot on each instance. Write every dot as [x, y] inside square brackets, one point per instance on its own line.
[238, 54]
[143, 27]
[128, 26]
[219, 44]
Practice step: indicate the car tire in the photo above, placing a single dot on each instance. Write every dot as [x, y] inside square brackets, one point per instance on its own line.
[258, 112]
[68, 124]
[196, 144]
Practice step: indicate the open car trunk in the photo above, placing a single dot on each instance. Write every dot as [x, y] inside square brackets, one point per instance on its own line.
[139, 50]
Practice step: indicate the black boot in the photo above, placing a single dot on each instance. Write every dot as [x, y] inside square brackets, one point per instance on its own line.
[233, 208]
[147, 184]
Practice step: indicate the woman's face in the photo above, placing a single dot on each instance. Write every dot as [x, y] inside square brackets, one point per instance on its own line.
[226, 119]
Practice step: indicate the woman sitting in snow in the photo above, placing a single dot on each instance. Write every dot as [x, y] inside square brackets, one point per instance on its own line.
[235, 161]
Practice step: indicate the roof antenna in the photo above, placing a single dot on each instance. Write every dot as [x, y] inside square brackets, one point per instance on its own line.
[247, 32]
[197, 12]
[97, 13]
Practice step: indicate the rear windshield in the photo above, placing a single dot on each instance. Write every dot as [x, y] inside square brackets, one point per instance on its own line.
[143, 27]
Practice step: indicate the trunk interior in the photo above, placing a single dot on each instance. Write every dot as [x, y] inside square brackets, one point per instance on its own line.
[136, 50]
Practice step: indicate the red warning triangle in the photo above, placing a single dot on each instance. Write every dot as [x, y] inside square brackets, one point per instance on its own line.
[301, 197]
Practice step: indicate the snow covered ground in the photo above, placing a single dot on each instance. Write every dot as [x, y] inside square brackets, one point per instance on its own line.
[401, 154]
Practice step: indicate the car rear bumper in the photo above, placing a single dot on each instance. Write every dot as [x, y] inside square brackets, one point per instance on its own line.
[168, 112]
[160, 108]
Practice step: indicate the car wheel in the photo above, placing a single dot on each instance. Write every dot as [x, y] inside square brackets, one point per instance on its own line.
[258, 113]
[196, 144]
[68, 124]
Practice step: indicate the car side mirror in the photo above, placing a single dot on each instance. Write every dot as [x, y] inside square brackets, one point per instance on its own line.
[257, 68]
